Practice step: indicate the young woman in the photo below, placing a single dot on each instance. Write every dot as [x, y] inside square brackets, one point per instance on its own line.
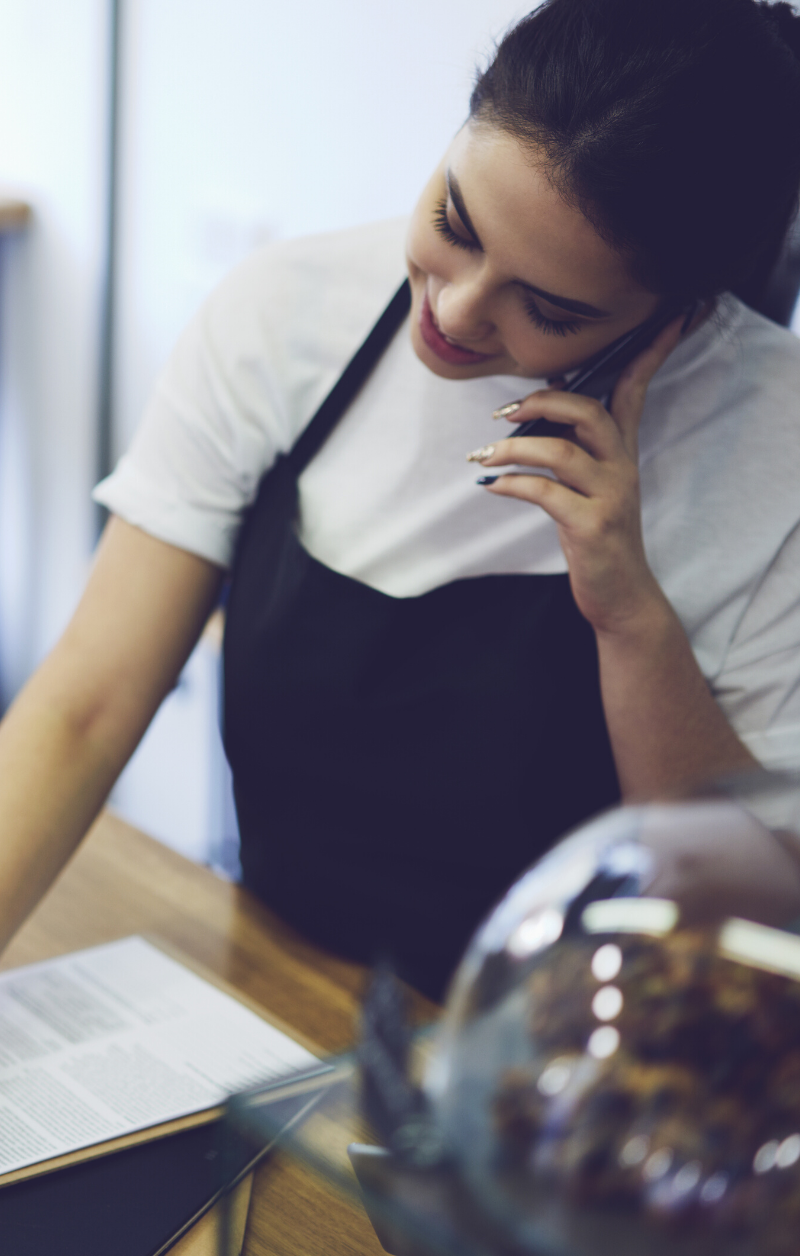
[428, 681]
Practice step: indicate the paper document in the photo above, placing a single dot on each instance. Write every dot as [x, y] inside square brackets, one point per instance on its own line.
[103, 1042]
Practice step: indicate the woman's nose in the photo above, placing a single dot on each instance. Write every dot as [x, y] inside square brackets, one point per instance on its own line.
[462, 312]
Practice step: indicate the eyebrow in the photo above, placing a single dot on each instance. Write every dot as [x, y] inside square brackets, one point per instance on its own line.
[564, 303]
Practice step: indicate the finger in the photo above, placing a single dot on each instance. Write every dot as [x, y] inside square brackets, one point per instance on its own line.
[572, 465]
[593, 426]
[627, 402]
[564, 507]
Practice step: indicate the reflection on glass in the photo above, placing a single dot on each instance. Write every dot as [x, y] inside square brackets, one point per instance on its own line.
[535, 933]
[655, 916]
[606, 962]
[769, 949]
[607, 1003]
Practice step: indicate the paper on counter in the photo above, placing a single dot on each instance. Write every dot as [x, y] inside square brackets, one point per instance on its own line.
[103, 1042]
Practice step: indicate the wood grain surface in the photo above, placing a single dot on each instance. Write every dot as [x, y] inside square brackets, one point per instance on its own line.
[121, 882]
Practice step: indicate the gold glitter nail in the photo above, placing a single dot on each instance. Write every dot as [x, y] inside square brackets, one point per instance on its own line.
[505, 412]
[481, 455]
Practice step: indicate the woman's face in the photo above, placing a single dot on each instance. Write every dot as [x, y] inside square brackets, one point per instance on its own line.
[506, 277]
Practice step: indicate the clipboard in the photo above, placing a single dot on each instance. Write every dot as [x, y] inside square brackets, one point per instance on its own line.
[182, 1124]
[177, 1186]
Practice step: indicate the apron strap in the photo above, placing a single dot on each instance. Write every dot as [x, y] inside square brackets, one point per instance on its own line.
[350, 381]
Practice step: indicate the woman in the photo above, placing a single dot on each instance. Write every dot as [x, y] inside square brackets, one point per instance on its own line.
[428, 682]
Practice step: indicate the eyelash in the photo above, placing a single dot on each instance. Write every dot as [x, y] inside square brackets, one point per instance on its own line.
[551, 326]
[442, 224]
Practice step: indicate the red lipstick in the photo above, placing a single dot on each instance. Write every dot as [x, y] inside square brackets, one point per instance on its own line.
[455, 355]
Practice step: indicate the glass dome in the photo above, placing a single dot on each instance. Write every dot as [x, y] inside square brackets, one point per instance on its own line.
[618, 1069]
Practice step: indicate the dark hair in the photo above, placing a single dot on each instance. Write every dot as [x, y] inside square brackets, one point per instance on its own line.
[673, 124]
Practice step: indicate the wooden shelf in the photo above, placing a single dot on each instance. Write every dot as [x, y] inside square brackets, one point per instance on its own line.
[14, 214]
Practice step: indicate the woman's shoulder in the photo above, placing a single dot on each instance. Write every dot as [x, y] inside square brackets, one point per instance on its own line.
[281, 326]
[328, 287]
[720, 469]
[367, 253]
[245, 377]
[739, 371]
[720, 435]
[753, 370]
[736, 333]
[769, 352]
[754, 374]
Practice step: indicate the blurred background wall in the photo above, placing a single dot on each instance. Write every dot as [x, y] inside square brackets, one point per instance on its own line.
[53, 92]
[240, 121]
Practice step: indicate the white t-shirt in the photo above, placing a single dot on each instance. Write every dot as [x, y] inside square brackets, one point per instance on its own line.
[391, 501]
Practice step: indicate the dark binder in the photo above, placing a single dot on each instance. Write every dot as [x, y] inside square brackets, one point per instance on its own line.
[136, 1202]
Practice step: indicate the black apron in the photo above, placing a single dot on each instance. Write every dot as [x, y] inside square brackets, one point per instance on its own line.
[398, 762]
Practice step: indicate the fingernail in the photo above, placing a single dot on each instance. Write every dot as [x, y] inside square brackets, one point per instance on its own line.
[505, 412]
[481, 455]
[487, 479]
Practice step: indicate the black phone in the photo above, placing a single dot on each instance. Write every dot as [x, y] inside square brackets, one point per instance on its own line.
[598, 377]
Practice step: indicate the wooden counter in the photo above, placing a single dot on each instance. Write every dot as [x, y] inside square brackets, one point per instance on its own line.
[122, 882]
[14, 214]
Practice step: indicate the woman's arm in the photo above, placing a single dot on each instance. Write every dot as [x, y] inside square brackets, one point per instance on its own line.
[665, 727]
[77, 721]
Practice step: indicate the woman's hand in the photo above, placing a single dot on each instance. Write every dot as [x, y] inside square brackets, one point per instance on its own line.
[664, 724]
[594, 499]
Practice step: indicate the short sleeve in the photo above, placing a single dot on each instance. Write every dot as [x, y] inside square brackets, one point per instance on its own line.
[758, 687]
[213, 425]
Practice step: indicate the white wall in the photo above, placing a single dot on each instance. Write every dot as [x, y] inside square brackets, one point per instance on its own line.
[242, 121]
[52, 122]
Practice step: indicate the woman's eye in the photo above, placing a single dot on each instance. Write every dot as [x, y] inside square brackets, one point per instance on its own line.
[552, 326]
[442, 225]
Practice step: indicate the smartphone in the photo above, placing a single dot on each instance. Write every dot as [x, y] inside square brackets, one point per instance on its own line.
[598, 377]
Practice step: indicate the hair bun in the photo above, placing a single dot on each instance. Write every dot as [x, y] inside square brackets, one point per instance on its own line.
[785, 20]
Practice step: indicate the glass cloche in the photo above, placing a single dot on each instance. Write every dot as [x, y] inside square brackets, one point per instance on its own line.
[618, 1069]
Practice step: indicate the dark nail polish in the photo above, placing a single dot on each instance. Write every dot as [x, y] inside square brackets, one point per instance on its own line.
[487, 479]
